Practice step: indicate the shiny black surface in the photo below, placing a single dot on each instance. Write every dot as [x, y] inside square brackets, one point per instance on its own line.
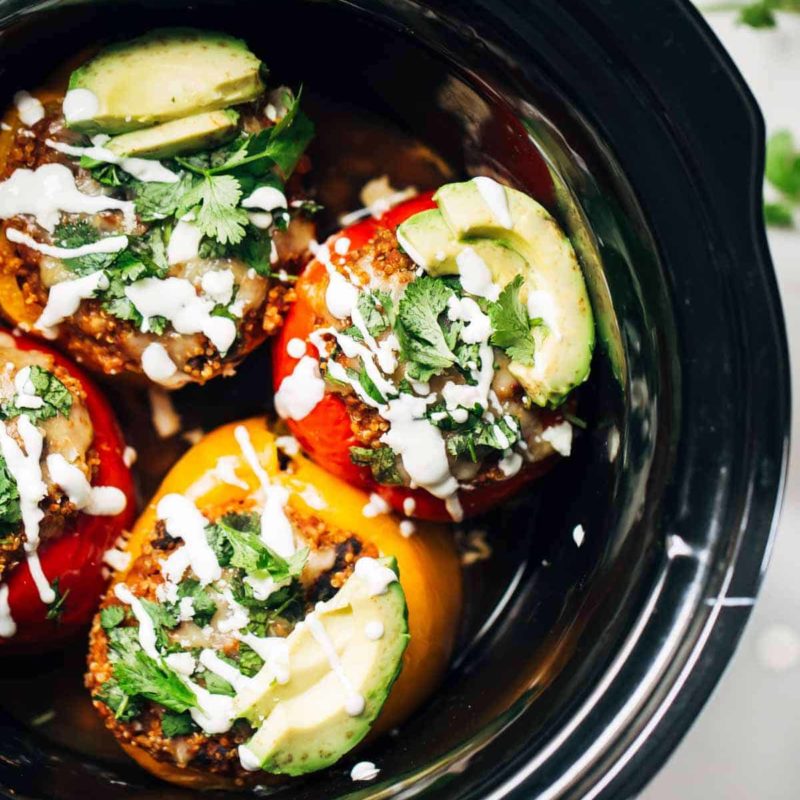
[579, 681]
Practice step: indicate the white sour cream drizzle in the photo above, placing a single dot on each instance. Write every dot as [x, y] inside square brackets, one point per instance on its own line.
[157, 364]
[184, 521]
[26, 396]
[46, 593]
[364, 771]
[559, 437]
[377, 576]
[49, 190]
[376, 506]
[354, 703]
[276, 530]
[79, 105]
[147, 170]
[30, 109]
[213, 712]
[110, 244]
[420, 445]
[147, 630]
[7, 625]
[300, 392]
[213, 663]
[274, 650]
[494, 195]
[476, 277]
[65, 298]
[184, 242]
[26, 470]
[100, 501]
[374, 630]
[267, 198]
[177, 300]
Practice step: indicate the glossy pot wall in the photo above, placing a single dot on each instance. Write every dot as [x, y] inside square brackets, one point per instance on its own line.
[582, 666]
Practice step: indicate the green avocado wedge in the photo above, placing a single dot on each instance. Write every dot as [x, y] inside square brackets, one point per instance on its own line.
[163, 76]
[513, 235]
[343, 660]
[199, 132]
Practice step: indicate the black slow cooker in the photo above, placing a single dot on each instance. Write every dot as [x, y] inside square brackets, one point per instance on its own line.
[581, 663]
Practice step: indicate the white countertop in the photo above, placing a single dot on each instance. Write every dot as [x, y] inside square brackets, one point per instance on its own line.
[745, 744]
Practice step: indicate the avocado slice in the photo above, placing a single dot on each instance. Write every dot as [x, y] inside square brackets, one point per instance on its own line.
[514, 235]
[165, 75]
[198, 132]
[304, 724]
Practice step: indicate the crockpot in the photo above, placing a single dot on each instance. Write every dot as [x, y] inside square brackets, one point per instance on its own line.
[587, 657]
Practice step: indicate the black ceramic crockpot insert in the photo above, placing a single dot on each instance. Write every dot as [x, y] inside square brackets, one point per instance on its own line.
[579, 669]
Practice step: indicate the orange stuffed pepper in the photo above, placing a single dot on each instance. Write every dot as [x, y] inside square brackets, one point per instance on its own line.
[265, 625]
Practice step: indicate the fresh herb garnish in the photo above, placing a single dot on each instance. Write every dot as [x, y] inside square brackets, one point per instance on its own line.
[377, 311]
[202, 601]
[56, 608]
[381, 460]
[511, 324]
[496, 435]
[249, 662]
[422, 339]
[10, 511]
[139, 675]
[214, 202]
[55, 396]
[124, 706]
[216, 685]
[240, 546]
[111, 616]
[173, 724]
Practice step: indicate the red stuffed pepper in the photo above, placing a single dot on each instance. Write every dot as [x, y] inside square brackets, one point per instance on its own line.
[431, 354]
[66, 494]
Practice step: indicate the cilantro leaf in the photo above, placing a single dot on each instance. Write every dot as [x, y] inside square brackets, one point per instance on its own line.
[499, 434]
[56, 398]
[250, 554]
[10, 511]
[422, 340]
[105, 173]
[124, 706]
[376, 309]
[249, 662]
[279, 146]
[139, 675]
[173, 724]
[368, 385]
[256, 251]
[511, 325]
[381, 460]
[216, 685]
[77, 234]
[111, 616]
[215, 203]
[56, 608]
[202, 601]
[157, 201]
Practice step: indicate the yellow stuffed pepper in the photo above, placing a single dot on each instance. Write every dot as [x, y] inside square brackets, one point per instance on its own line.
[269, 618]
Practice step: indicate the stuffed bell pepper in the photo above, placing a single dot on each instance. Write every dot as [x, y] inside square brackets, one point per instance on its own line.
[66, 495]
[265, 625]
[431, 354]
[152, 207]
